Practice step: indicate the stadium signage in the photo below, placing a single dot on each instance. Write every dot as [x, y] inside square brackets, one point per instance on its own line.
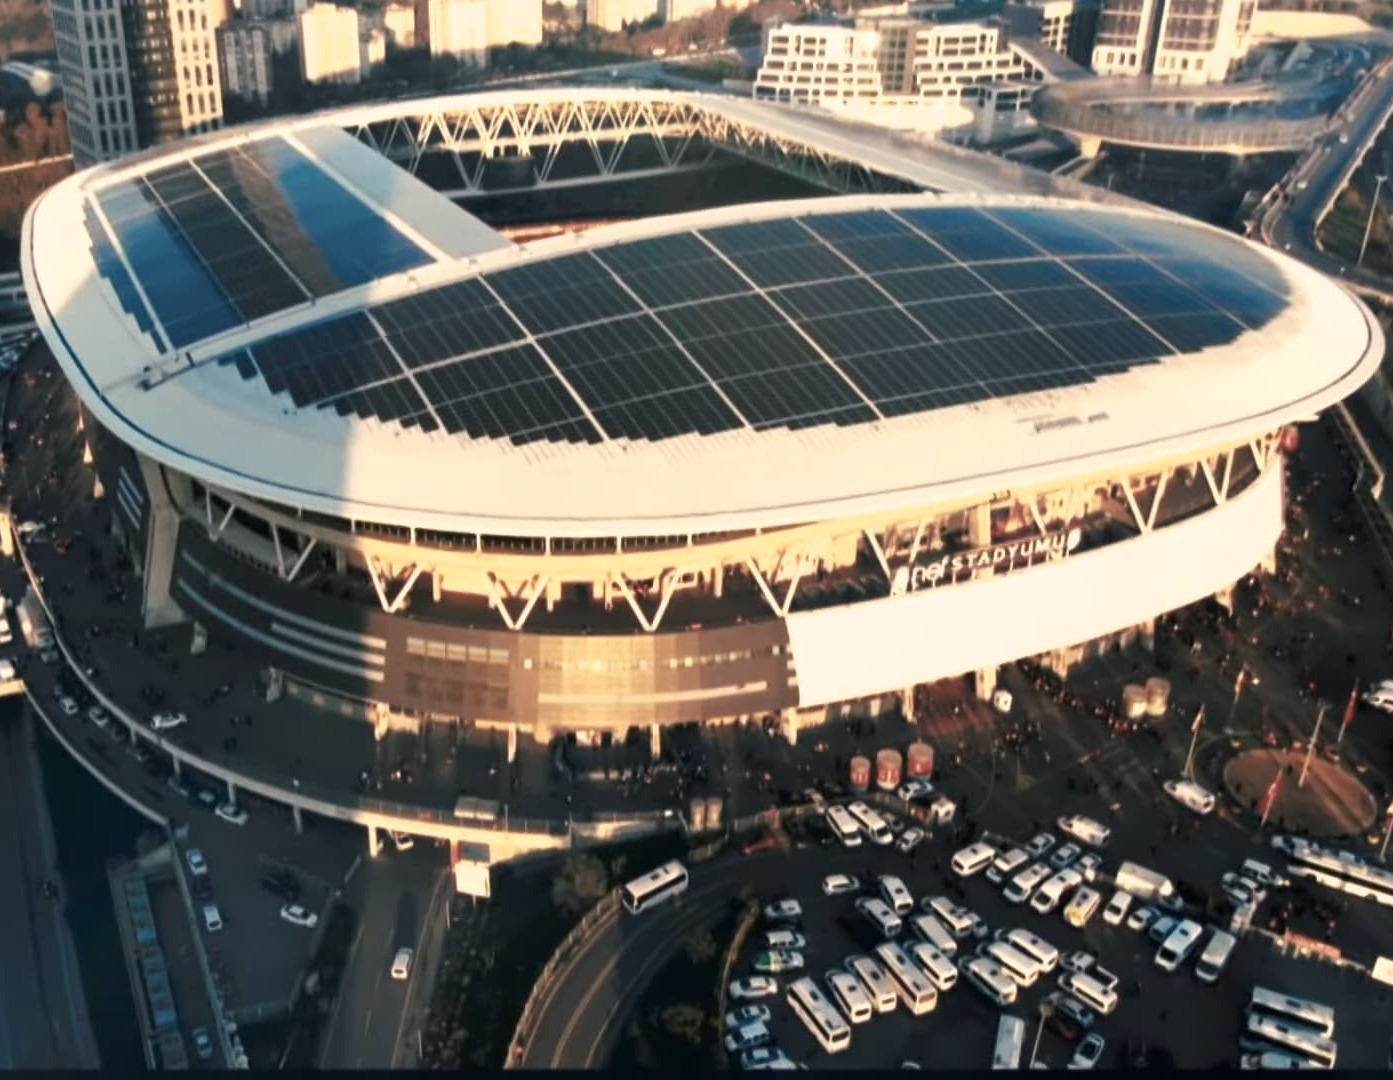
[947, 569]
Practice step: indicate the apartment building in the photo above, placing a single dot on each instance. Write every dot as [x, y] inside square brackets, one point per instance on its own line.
[1184, 41]
[612, 15]
[468, 29]
[399, 21]
[1066, 26]
[272, 9]
[675, 10]
[138, 73]
[247, 50]
[330, 44]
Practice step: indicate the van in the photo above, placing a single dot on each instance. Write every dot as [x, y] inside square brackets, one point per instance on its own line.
[1048, 896]
[879, 915]
[1216, 954]
[958, 920]
[989, 980]
[1263, 874]
[1090, 991]
[935, 964]
[973, 859]
[1179, 944]
[1085, 830]
[1020, 967]
[928, 929]
[896, 895]
[1035, 947]
[1117, 907]
[1026, 882]
[1082, 907]
[1006, 865]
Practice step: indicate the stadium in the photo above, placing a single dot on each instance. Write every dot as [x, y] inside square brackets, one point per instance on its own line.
[841, 414]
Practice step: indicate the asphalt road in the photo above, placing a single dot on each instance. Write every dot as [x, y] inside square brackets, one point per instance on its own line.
[43, 1013]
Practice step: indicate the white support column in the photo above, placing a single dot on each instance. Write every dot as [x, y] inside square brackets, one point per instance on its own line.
[226, 519]
[435, 580]
[655, 741]
[299, 820]
[1156, 499]
[232, 793]
[301, 559]
[984, 683]
[280, 551]
[1213, 484]
[177, 763]
[374, 842]
[790, 726]
[1137, 516]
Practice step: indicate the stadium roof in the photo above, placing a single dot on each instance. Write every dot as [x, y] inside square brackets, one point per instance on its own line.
[742, 367]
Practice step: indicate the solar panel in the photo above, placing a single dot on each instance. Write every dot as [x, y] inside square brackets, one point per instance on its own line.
[1011, 277]
[110, 267]
[774, 253]
[321, 362]
[560, 293]
[698, 410]
[622, 361]
[510, 394]
[253, 279]
[1241, 296]
[865, 332]
[967, 317]
[877, 242]
[969, 235]
[439, 324]
[1059, 235]
[944, 283]
[672, 270]
[1195, 331]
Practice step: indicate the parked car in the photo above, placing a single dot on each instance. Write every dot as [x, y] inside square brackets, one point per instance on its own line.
[166, 720]
[1141, 918]
[747, 1014]
[909, 840]
[914, 789]
[1077, 960]
[1066, 1016]
[68, 705]
[212, 918]
[747, 1038]
[195, 860]
[401, 964]
[98, 716]
[783, 911]
[776, 961]
[201, 887]
[1159, 930]
[787, 940]
[1241, 890]
[765, 1057]
[1088, 1053]
[753, 988]
[1040, 844]
[1065, 855]
[202, 1044]
[299, 916]
[837, 884]
[1190, 795]
[232, 814]
[1117, 907]
[1089, 865]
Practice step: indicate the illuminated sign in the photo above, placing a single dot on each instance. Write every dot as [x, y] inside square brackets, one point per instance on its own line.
[947, 569]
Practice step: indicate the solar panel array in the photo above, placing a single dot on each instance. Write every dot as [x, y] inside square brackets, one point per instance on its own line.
[238, 234]
[840, 319]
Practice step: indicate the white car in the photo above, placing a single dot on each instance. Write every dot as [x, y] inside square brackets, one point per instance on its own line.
[68, 705]
[1077, 960]
[1089, 1051]
[402, 841]
[299, 916]
[197, 863]
[783, 911]
[212, 918]
[98, 716]
[1117, 907]
[1089, 866]
[1141, 918]
[837, 884]
[747, 1038]
[166, 720]
[786, 940]
[753, 988]
[747, 1014]
[914, 789]
[1190, 795]
[401, 964]
[1241, 890]
[1379, 697]
[232, 813]
[909, 840]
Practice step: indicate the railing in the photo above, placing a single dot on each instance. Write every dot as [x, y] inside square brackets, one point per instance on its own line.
[568, 947]
[748, 918]
[1079, 118]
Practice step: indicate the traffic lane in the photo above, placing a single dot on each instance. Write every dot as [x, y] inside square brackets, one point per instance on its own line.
[187, 982]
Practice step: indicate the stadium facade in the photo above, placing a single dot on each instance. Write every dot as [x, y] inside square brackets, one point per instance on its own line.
[759, 459]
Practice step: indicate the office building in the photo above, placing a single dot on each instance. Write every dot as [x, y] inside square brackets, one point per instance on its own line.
[272, 9]
[137, 74]
[329, 44]
[1184, 41]
[459, 28]
[614, 15]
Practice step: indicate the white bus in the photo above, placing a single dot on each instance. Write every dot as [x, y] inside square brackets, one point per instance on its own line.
[850, 996]
[1267, 1031]
[1319, 1018]
[936, 965]
[876, 982]
[654, 887]
[1011, 960]
[1349, 872]
[914, 987]
[928, 928]
[1034, 946]
[973, 859]
[989, 980]
[872, 824]
[844, 826]
[1007, 864]
[958, 919]
[819, 1016]
[1010, 1042]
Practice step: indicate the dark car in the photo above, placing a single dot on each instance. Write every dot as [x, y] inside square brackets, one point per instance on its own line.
[201, 886]
[1067, 1017]
[283, 884]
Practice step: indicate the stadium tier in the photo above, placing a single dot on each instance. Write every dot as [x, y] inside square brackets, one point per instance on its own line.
[757, 458]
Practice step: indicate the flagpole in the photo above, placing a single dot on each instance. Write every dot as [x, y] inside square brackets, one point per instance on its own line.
[1311, 747]
[1349, 713]
[1194, 738]
[1270, 799]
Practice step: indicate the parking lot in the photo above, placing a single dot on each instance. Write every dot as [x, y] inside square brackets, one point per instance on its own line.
[1173, 1020]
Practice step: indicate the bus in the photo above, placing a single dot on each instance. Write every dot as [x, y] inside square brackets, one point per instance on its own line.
[872, 824]
[819, 1016]
[850, 996]
[1344, 872]
[1010, 1042]
[1267, 1032]
[1319, 1018]
[913, 986]
[844, 826]
[654, 887]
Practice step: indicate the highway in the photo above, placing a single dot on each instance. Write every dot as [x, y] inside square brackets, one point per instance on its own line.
[43, 1013]
[580, 1016]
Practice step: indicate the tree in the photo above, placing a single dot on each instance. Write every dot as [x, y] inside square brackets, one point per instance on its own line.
[581, 881]
[700, 945]
[684, 1022]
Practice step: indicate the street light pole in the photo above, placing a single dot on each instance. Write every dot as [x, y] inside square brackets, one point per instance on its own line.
[1311, 747]
[1194, 738]
[1369, 225]
[1039, 1030]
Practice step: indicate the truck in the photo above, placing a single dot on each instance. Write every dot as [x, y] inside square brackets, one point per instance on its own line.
[1146, 885]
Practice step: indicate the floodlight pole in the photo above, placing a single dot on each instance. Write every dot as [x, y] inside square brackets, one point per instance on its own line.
[1369, 225]
[1311, 746]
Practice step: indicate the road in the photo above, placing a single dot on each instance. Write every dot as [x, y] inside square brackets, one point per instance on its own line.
[400, 898]
[43, 1013]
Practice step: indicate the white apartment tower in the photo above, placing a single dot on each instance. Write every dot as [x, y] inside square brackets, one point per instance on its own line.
[137, 74]
[468, 29]
[1184, 41]
[329, 44]
[613, 14]
[399, 20]
[245, 50]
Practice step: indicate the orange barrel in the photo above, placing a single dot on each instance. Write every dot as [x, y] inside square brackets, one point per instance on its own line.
[1133, 701]
[1158, 696]
[698, 815]
[860, 774]
[889, 768]
[714, 806]
[919, 760]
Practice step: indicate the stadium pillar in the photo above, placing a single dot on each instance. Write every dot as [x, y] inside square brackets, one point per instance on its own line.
[86, 452]
[340, 561]
[298, 819]
[374, 842]
[162, 537]
[177, 763]
[1224, 597]
[512, 743]
[655, 741]
[985, 683]
[790, 726]
[1147, 635]
[1089, 146]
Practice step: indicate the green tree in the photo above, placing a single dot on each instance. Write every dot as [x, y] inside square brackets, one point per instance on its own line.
[684, 1022]
[700, 945]
[581, 881]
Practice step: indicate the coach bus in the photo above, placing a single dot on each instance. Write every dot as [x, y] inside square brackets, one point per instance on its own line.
[1343, 872]
[913, 986]
[872, 824]
[819, 1016]
[1010, 1042]
[654, 887]
[1266, 1032]
[844, 826]
[1319, 1018]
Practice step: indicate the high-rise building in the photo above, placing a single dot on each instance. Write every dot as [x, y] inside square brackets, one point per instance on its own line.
[272, 9]
[372, 48]
[459, 28]
[614, 14]
[329, 44]
[1066, 26]
[673, 10]
[138, 73]
[245, 50]
[514, 22]
[399, 20]
[1185, 41]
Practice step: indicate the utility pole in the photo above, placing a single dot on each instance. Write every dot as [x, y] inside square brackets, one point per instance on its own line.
[1039, 1030]
[1311, 747]
[1369, 225]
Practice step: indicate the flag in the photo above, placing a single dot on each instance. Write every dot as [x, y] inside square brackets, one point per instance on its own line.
[1271, 796]
[1199, 722]
[1351, 707]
